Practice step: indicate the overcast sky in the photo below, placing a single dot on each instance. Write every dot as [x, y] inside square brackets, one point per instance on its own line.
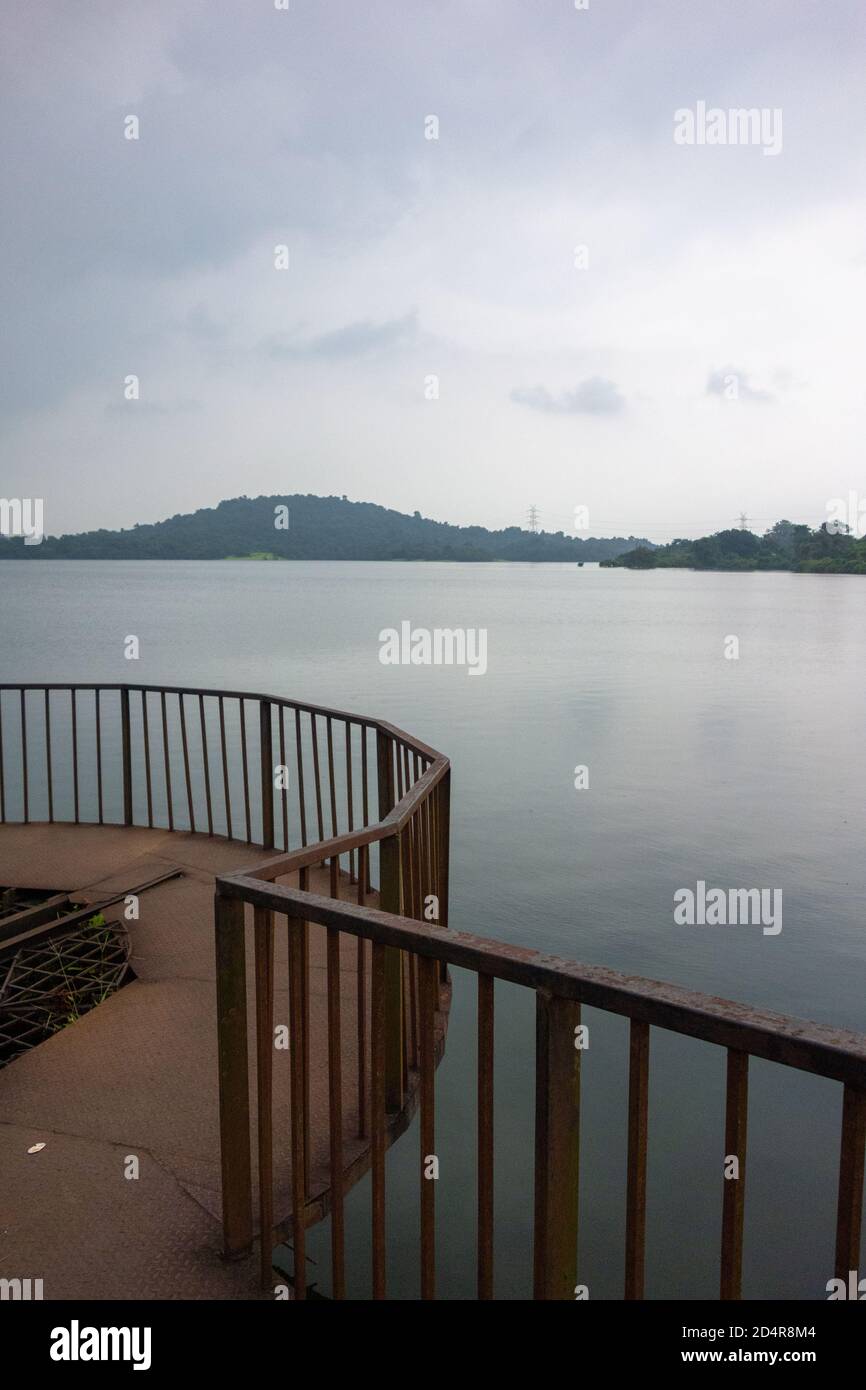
[604, 384]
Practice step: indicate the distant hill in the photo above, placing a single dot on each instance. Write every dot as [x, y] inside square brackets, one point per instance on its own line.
[320, 528]
[830, 549]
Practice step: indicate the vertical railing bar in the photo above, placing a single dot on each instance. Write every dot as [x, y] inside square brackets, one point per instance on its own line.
[246, 770]
[48, 757]
[407, 996]
[424, 870]
[99, 755]
[426, 849]
[25, 786]
[315, 736]
[433, 845]
[415, 985]
[302, 810]
[638, 1111]
[377, 1119]
[850, 1201]
[304, 932]
[146, 737]
[443, 847]
[419, 917]
[349, 794]
[205, 763]
[361, 1005]
[399, 762]
[365, 795]
[226, 788]
[557, 1146]
[234, 1098]
[296, 1028]
[412, 865]
[331, 782]
[166, 761]
[335, 1116]
[266, 772]
[734, 1196]
[189, 799]
[429, 991]
[486, 984]
[75, 795]
[126, 756]
[283, 764]
[390, 900]
[263, 925]
[410, 1015]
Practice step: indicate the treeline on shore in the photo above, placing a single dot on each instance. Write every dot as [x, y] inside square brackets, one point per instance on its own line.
[829, 549]
[306, 527]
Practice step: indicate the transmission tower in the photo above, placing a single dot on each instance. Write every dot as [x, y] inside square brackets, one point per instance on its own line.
[744, 521]
[533, 520]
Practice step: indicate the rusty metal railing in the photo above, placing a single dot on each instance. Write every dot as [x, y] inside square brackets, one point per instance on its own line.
[184, 759]
[151, 769]
[396, 930]
[285, 775]
[560, 988]
[398, 1019]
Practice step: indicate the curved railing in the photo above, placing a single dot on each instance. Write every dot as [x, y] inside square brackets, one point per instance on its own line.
[403, 953]
[196, 759]
[356, 808]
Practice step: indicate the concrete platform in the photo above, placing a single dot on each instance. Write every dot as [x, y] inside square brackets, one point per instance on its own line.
[137, 1078]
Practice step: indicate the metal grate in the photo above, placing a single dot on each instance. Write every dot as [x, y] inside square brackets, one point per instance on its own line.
[48, 986]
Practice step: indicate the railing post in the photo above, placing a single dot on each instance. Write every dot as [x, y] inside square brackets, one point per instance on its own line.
[390, 900]
[638, 1116]
[444, 848]
[267, 764]
[126, 744]
[734, 1193]
[390, 896]
[444, 844]
[385, 772]
[557, 1146]
[851, 1166]
[234, 1104]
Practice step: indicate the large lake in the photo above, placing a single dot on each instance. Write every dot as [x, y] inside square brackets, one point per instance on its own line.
[743, 773]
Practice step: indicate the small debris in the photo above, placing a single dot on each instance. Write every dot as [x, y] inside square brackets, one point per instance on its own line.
[35, 1148]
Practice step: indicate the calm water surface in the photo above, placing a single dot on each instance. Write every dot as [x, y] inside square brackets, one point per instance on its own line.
[746, 773]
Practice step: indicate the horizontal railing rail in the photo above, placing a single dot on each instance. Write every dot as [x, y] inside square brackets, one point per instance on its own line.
[561, 987]
[270, 771]
[398, 999]
[356, 814]
[351, 805]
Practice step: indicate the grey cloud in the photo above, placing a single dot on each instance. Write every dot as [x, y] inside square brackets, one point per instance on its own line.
[261, 128]
[199, 324]
[734, 383]
[595, 396]
[132, 409]
[353, 340]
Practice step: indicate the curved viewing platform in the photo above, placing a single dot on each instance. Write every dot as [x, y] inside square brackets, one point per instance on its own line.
[277, 875]
[128, 803]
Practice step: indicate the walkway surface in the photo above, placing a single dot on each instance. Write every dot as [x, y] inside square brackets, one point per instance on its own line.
[137, 1078]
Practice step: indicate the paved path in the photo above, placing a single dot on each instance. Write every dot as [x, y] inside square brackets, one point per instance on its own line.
[137, 1077]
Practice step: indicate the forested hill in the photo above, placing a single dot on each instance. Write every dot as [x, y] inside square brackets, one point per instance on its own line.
[319, 528]
[830, 549]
